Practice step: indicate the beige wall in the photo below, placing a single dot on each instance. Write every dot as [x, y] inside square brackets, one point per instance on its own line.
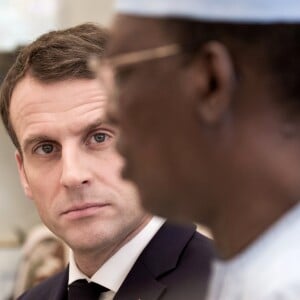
[16, 211]
[77, 11]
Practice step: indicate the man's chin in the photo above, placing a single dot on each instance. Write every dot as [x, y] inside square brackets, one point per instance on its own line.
[163, 207]
[125, 173]
[128, 174]
[151, 203]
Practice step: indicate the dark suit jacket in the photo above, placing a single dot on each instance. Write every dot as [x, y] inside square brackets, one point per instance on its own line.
[175, 265]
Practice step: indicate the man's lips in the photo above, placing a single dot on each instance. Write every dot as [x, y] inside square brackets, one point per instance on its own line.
[84, 210]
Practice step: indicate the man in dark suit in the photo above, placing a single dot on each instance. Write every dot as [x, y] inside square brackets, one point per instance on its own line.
[53, 108]
[174, 265]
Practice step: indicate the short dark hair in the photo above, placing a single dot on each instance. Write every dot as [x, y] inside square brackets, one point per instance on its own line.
[271, 48]
[54, 56]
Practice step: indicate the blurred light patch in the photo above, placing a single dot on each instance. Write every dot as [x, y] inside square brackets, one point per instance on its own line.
[21, 21]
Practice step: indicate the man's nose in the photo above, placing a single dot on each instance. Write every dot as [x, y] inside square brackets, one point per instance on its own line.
[75, 172]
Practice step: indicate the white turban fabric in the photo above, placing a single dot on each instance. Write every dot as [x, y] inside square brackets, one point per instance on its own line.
[231, 11]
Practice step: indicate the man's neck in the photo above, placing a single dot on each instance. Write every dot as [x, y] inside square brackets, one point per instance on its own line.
[89, 261]
[234, 232]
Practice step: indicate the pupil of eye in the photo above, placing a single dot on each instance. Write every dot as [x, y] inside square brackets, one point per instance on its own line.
[99, 137]
[47, 148]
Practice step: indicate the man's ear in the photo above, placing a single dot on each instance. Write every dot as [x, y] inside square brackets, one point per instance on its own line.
[22, 174]
[217, 82]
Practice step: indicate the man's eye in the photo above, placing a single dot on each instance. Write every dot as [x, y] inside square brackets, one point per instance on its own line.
[99, 137]
[44, 149]
[121, 75]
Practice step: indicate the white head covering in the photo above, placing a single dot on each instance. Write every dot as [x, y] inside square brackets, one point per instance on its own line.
[232, 11]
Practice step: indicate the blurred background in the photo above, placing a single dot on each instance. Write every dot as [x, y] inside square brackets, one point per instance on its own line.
[21, 21]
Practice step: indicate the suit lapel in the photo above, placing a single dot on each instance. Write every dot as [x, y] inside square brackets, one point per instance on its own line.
[140, 285]
[60, 290]
[160, 256]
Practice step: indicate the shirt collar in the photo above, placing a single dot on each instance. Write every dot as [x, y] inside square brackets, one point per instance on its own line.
[122, 261]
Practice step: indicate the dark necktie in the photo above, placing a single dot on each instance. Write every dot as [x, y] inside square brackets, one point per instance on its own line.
[83, 290]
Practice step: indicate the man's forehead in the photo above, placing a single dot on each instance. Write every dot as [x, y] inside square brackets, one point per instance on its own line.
[131, 33]
[33, 102]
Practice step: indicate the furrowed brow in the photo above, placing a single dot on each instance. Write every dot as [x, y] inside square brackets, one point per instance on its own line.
[95, 124]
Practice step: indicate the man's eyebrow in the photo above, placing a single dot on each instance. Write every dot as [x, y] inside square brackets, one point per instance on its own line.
[93, 125]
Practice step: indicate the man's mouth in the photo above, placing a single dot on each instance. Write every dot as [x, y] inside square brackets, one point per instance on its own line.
[83, 210]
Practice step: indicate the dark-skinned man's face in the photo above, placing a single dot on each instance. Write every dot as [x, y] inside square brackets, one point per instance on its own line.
[156, 120]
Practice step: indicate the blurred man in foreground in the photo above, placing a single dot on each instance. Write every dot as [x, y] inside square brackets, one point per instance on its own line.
[208, 104]
[53, 108]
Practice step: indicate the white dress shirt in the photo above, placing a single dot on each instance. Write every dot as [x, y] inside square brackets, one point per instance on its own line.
[269, 269]
[114, 271]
